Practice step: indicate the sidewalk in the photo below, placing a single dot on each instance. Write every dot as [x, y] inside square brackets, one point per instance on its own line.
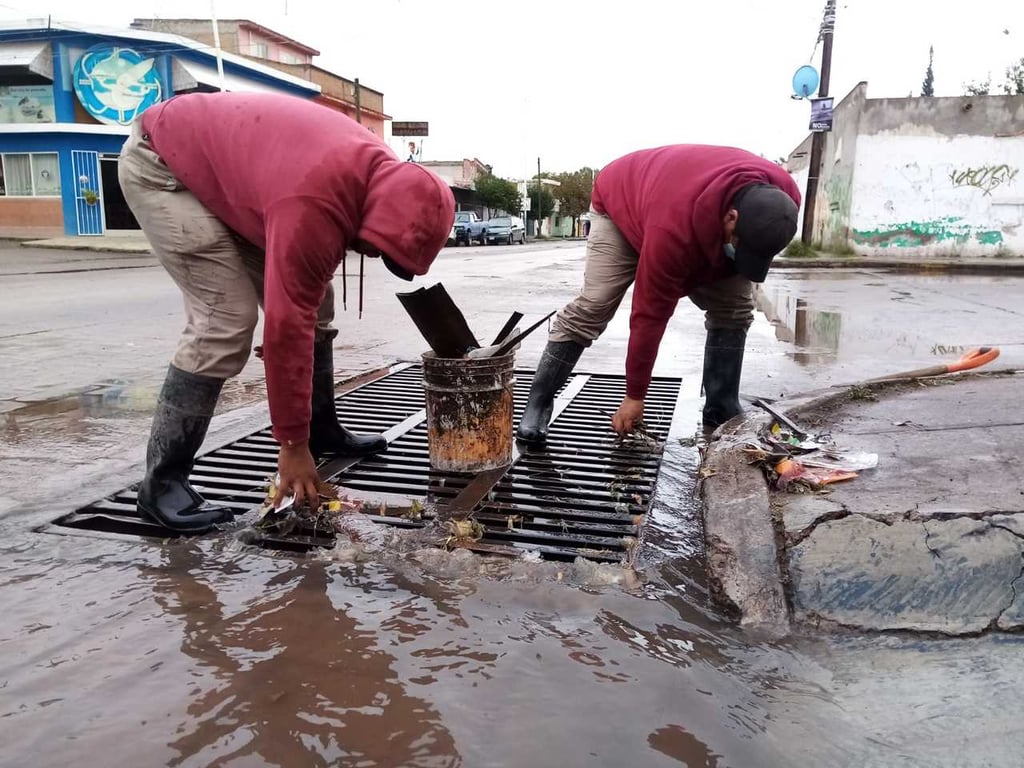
[119, 242]
[930, 541]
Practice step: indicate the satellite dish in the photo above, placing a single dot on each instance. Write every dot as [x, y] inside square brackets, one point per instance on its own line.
[805, 82]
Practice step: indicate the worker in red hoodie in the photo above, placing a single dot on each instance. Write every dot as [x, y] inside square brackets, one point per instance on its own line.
[684, 220]
[252, 200]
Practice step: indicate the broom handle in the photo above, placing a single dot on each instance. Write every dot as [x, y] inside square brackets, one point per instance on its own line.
[972, 359]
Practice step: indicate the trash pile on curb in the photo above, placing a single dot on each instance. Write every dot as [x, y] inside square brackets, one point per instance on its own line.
[798, 461]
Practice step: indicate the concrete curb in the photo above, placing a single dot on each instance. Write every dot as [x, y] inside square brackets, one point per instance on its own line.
[739, 534]
[105, 247]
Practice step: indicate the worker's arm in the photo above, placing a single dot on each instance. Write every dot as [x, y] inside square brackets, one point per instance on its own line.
[304, 247]
[661, 276]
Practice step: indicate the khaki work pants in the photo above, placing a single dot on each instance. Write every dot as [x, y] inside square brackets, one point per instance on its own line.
[610, 270]
[220, 274]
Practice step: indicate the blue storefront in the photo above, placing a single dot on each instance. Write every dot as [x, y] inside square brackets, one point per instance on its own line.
[67, 98]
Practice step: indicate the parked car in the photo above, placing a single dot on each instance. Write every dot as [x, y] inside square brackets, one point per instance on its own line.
[506, 229]
[469, 228]
[453, 237]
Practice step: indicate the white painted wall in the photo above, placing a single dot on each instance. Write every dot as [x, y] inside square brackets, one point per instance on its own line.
[800, 177]
[937, 195]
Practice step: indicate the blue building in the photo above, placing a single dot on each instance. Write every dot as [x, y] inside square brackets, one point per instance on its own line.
[68, 95]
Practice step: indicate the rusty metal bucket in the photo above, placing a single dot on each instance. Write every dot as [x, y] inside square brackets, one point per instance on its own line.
[469, 411]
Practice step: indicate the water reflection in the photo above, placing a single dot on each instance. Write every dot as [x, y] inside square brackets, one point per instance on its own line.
[815, 333]
[674, 741]
[287, 677]
[77, 413]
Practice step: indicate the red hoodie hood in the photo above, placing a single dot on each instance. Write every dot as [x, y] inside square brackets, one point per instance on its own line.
[408, 214]
[717, 186]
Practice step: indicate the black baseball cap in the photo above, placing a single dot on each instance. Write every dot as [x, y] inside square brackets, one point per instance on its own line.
[766, 224]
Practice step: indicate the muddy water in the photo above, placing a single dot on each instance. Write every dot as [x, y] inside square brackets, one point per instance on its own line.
[207, 653]
[211, 654]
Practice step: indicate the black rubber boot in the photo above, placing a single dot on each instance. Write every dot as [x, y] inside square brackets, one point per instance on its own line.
[183, 413]
[326, 436]
[553, 371]
[723, 364]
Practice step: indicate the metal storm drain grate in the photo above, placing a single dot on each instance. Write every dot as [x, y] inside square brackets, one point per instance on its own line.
[585, 495]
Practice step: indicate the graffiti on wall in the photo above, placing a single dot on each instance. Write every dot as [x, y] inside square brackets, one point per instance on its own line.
[913, 234]
[984, 177]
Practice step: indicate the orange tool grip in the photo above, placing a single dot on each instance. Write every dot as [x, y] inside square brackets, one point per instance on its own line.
[974, 359]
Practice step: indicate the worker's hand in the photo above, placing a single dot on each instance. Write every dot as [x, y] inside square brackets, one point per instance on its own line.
[630, 412]
[298, 474]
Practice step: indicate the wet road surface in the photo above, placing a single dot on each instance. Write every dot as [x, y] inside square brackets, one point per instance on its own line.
[210, 654]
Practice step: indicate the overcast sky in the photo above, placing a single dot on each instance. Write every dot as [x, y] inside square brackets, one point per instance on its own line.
[580, 82]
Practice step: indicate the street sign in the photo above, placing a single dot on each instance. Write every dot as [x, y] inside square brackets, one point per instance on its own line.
[408, 129]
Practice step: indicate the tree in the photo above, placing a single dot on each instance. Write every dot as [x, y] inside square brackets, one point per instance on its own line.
[499, 194]
[928, 86]
[980, 88]
[1014, 85]
[574, 191]
[547, 201]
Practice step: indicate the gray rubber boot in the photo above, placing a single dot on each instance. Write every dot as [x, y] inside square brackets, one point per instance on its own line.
[556, 363]
[723, 364]
[326, 436]
[183, 413]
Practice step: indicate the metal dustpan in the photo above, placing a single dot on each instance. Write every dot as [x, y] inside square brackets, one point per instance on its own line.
[439, 320]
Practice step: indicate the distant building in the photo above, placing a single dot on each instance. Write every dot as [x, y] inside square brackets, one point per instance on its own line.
[461, 176]
[247, 38]
[66, 109]
[922, 176]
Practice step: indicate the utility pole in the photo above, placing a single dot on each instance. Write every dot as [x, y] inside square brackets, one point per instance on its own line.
[538, 197]
[359, 103]
[216, 44]
[828, 25]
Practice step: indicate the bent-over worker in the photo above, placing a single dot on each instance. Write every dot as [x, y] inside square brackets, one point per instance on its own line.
[251, 200]
[690, 220]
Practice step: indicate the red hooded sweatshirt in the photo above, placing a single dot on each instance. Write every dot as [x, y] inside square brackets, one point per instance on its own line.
[300, 181]
[669, 203]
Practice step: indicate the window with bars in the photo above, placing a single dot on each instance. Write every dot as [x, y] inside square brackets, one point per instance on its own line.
[35, 174]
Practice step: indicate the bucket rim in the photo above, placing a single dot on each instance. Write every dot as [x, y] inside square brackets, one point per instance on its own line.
[432, 357]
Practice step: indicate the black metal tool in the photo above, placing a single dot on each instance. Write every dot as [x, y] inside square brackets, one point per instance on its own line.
[509, 343]
[439, 320]
[780, 417]
[506, 329]
[497, 350]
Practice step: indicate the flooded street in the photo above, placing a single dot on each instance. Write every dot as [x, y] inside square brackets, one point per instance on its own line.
[210, 653]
